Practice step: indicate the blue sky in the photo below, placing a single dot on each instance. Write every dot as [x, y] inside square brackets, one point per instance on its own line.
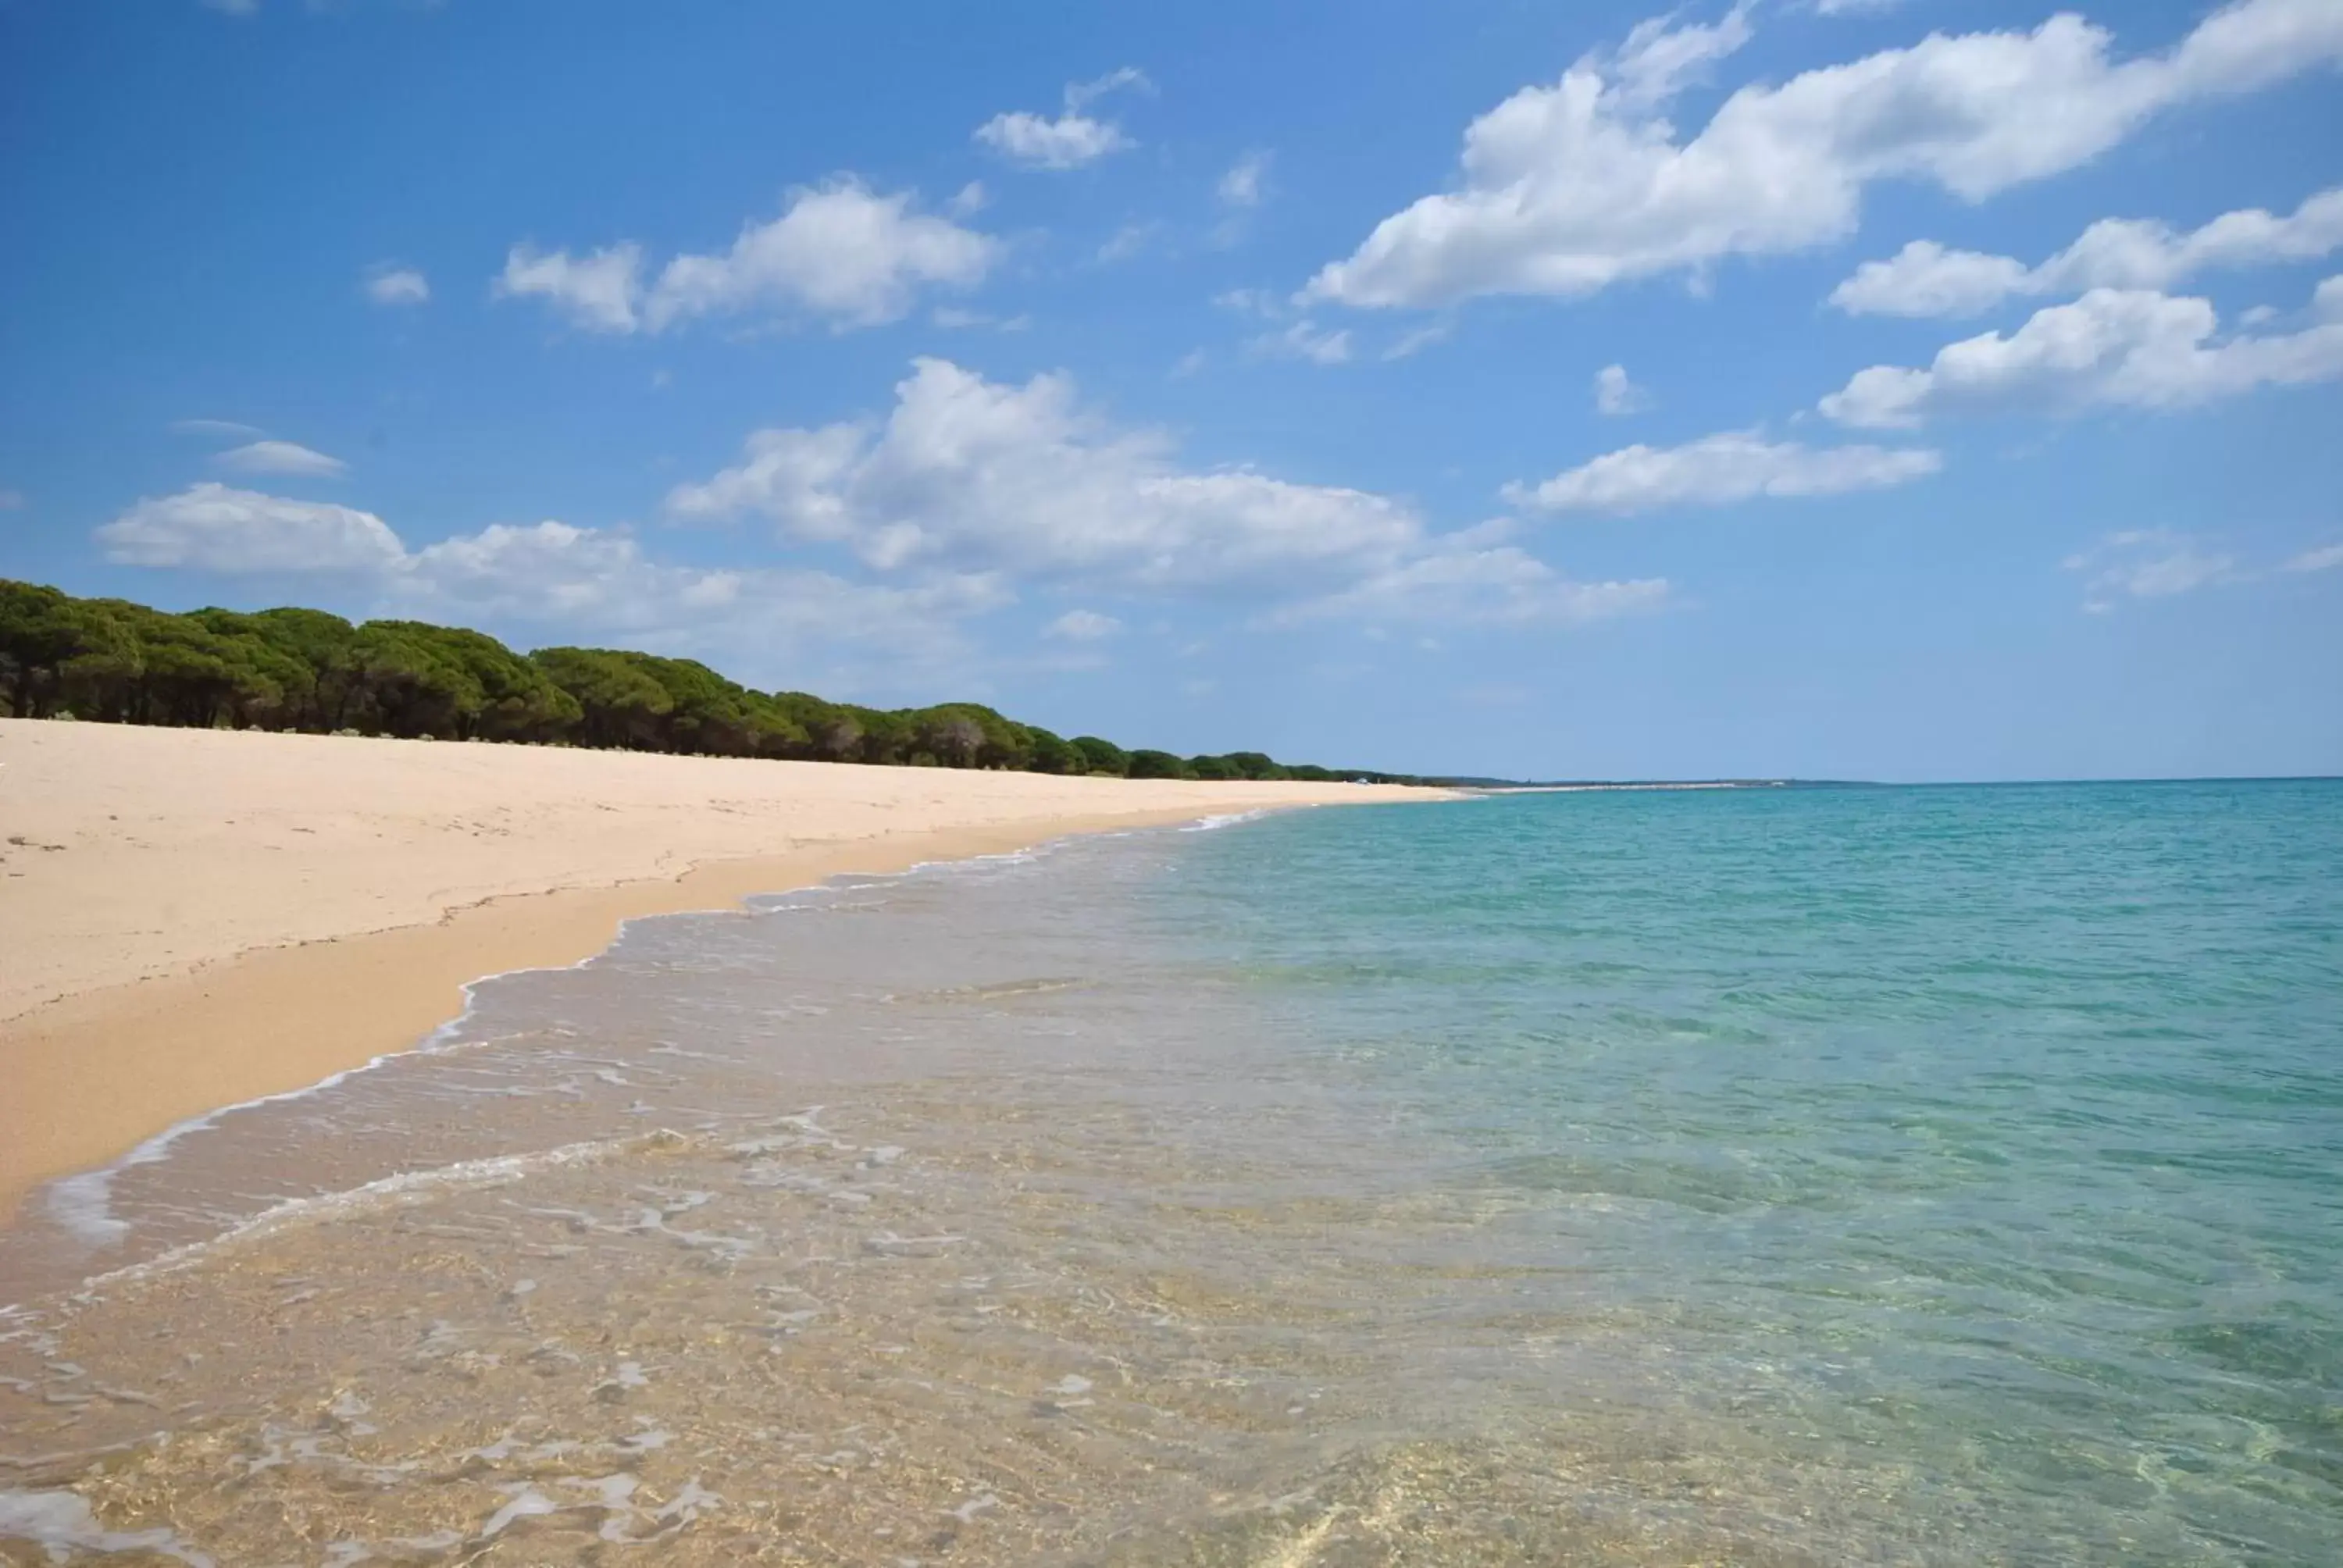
[1920, 390]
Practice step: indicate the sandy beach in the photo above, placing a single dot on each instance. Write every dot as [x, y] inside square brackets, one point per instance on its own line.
[192, 918]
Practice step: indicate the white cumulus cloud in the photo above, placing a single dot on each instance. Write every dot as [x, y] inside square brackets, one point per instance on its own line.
[389, 284]
[600, 290]
[1071, 139]
[981, 475]
[280, 457]
[1925, 278]
[839, 253]
[2325, 557]
[554, 571]
[978, 476]
[1717, 470]
[212, 528]
[555, 574]
[1067, 142]
[553, 577]
[842, 252]
[2132, 348]
[1566, 189]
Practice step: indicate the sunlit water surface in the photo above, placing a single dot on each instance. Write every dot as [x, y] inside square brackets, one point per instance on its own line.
[1929, 1176]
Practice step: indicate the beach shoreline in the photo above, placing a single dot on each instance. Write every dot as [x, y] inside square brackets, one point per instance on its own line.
[350, 888]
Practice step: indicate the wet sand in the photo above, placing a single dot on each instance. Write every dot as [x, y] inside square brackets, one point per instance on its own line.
[198, 918]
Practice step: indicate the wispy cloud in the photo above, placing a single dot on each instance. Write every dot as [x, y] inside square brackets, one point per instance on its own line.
[1409, 344]
[280, 457]
[1071, 138]
[2147, 564]
[1721, 470]
[953, 318]
[1305, 340]
[1615, 395]
[1082, 626]
[1128, 241]
[1246, 185]
[389, 284]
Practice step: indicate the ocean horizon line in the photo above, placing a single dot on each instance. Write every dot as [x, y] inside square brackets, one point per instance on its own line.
[1462, 781]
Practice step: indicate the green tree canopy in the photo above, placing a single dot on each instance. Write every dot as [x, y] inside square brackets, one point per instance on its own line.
[295, 669]
[1048, 753]
[1103, 755]
[47, 640]
[619, 704]
[1157, 765]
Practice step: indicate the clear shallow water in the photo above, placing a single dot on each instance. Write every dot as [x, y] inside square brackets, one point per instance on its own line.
[1903, 1175]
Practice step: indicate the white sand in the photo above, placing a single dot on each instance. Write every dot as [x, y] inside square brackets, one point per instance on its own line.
[184, 915]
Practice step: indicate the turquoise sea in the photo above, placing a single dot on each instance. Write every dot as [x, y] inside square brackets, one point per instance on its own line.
[1992, 1137]
[1930, 1175]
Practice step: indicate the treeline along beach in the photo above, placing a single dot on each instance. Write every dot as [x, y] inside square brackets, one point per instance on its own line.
[115, 661]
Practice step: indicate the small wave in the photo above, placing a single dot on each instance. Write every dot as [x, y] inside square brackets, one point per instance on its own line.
[394, 1192]
[83, 1203]
[999, 991]
[1227, 819]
